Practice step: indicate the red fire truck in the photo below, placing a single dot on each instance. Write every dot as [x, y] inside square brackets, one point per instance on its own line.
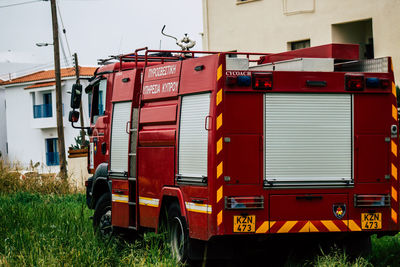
[220, 145]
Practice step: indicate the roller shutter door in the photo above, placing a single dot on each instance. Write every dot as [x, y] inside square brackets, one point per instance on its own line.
[308, 138]
[119, 137]
[193, 137]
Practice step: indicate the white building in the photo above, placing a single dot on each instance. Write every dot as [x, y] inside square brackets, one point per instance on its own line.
[31, 117]
[3, 126]
[280, 25]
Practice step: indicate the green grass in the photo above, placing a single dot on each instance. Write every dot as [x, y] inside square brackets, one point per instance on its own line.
[55, 230]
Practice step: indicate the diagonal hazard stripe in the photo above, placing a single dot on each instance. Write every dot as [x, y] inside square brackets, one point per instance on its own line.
[219, 121]
[306, 228]
[219, 218]
[331, 226]
[394, 171]
[219, 97]
[353, 226]
[394, 112]
[219, 72]
[287, 227]
[219, 169]
[394, 194]
[394, 148]
[394, 216]
[219, 194]
[394, 92]
[219, 145]
[313, 228]
[264, 227]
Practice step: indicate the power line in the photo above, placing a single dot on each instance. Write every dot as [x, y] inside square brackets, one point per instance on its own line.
[23, 3]
[63, 28]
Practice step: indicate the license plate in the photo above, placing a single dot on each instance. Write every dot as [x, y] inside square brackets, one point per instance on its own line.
[244, 224]
[371, 221]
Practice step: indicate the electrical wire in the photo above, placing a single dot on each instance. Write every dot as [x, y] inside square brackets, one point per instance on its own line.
[63, 27]
[23, 3]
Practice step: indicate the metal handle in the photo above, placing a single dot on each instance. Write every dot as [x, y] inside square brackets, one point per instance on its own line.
[207, 123]
[127, 127]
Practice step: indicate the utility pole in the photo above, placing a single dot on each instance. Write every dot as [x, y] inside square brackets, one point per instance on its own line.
[80, 107]
[60, 125]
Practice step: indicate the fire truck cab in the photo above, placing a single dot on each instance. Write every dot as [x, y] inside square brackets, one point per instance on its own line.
[244, 144]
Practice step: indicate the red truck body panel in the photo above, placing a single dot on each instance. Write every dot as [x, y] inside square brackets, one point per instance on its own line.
[235, 129]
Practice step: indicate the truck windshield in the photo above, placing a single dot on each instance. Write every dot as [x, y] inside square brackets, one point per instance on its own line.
[97, 100]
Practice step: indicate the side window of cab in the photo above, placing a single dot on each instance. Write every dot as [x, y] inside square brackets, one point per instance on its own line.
[97, 100]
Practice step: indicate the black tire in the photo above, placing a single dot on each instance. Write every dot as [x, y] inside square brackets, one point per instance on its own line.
[178, 233]
[102, 216]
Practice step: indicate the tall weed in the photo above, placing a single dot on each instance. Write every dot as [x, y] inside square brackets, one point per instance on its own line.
[12, 181]
[54, 230]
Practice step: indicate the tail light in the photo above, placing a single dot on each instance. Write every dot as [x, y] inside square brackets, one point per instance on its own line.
[385, 83]
[354, 82]
[371, 200]
[236, 203]
[377, 83]
[262, 81]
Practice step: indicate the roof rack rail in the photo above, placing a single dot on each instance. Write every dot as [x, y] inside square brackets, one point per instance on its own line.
[163, 56]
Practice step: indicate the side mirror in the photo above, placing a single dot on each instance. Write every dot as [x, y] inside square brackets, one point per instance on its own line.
[73, 116]
[76, 96]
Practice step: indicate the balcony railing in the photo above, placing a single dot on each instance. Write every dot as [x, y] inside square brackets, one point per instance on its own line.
[42, 111]
[52, 159]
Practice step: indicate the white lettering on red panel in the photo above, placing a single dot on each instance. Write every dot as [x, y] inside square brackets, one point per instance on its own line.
[161, 71]
[160, 88]
[238, 73]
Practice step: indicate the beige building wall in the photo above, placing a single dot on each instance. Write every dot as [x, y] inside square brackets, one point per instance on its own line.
[270, 25]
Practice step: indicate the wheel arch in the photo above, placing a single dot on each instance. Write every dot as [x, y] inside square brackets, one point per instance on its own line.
[101, 184]
[170, 195]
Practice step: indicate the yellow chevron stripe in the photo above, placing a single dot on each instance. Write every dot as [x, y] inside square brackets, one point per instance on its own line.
[394, 147]
[219, 121]
[219, 97]
[219, 72]
[330, 225]
[313, 228]
[219, 169]
[353, 226]
[287, 227]
[263, 228]
[306, 228]
[394, 194]
[219, 145]
[394, 216]
[394, 171]
[219, 218]
[394, 91]
[394, 112]
[219, 194]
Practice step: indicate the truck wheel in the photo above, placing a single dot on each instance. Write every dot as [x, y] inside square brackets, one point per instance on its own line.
[178, 233]
[102, 216]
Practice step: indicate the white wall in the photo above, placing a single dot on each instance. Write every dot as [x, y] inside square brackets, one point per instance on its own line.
[3, 124]
[267, 25]
[26, 135]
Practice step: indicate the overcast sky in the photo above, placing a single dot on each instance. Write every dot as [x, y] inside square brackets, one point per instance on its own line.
[95, 28]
